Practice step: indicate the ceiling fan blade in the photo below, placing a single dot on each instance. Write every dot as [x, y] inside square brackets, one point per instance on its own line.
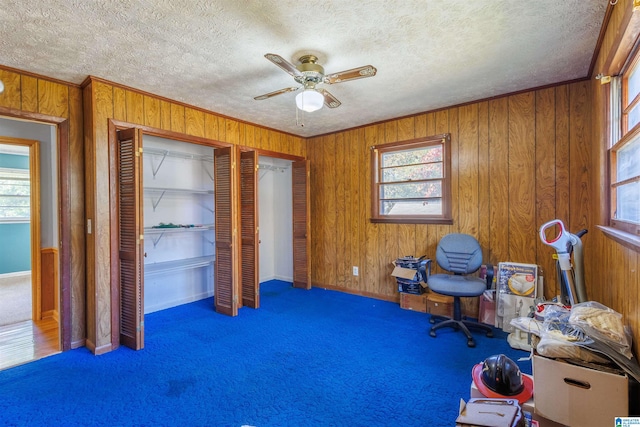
[355, 73]
[277, 92]
[329, 100]
[284, 64]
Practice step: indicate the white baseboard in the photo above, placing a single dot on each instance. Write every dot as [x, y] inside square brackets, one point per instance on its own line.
[173, 303]
[15, 274]
[276, 277]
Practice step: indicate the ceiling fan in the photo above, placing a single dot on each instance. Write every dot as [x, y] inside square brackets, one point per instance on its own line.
[310, 74]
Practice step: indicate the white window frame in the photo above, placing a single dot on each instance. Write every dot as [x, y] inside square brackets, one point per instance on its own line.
[623, 137]
[20, 175]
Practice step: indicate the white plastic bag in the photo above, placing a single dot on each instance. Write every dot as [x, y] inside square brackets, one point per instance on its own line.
[602, 323]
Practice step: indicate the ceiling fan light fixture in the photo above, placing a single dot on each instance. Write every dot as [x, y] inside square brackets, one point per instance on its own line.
[309, 100]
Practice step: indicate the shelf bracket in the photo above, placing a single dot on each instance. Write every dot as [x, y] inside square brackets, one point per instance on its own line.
[155, 203]
[207, 208]
[156, 240]
[155, 169]
[204, 163]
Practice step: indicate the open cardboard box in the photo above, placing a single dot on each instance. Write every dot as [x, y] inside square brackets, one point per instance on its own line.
[578, 396]
[408, 274]
[405, 273]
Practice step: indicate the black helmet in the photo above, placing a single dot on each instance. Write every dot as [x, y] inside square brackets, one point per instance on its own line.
[498, 376]
[502, 375]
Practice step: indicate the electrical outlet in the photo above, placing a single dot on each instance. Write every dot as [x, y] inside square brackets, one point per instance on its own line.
[355, 270]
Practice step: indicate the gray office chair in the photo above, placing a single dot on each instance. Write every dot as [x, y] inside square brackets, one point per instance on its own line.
[461, 255]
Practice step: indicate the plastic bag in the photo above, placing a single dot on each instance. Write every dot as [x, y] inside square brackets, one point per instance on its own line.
[602, 323]
[551, 347]
[556, 325]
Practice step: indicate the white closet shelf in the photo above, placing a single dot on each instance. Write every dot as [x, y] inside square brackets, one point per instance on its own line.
[160, 152]
[159, 193]
[176, 190]
[177, 154]
[179, 265]
[158, 232]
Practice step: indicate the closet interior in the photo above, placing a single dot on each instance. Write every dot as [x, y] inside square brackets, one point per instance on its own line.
[179, 217]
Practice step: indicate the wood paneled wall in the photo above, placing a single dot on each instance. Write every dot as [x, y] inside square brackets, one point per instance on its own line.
[614, 279]
[32, 97]
[104, 100]
[517, 162]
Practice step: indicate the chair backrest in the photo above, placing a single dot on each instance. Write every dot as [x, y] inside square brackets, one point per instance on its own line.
[459, 253]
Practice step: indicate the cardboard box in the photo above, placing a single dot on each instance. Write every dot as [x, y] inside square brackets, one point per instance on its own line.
[528, 406]
[413, 302]
[518, 279]
[578, 396]
[439, 305]
[405, 273]
[517, 287]
[408, 280]
[490, 413]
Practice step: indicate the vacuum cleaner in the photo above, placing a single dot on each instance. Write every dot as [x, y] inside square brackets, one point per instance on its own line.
[570, 277]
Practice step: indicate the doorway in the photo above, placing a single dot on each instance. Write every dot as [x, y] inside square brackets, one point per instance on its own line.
[285, 237]
[16, 221]
[29, 270]
[276, 221]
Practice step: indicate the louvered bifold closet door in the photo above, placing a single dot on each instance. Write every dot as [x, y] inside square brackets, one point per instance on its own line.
[131, 248]
[249, 229]
[301, 225]
[225, 292]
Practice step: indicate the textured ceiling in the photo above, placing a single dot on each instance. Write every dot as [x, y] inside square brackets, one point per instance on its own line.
[210, 54]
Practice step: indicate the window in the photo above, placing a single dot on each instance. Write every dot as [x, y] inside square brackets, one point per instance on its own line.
[625, 151]
[14, 195]
[411, 181]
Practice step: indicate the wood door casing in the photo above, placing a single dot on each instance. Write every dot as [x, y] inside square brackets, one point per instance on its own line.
[301, 225]
[249, 229]
[130, 236]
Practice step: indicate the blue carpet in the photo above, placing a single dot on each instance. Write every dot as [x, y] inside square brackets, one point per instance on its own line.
[305, 358]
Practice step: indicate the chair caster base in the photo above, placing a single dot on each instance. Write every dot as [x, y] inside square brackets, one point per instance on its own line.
[490, 334]
[471, 343]
[432, 333]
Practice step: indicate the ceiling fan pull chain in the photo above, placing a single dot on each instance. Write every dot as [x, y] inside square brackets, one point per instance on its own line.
[298, 121]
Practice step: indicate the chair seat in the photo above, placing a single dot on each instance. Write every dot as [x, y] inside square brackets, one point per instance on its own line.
[456, 285]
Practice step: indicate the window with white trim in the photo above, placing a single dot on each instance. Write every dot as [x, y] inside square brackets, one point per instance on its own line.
[624, 151]
[15, 195]
[411, 181]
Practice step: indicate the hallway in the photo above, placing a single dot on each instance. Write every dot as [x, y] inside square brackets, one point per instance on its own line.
[27, 341]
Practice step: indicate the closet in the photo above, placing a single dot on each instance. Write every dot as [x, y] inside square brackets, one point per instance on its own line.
[175, 229]
[276, 221]
[179, 217]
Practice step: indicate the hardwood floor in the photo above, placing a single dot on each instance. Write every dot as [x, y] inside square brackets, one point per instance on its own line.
[28, 341]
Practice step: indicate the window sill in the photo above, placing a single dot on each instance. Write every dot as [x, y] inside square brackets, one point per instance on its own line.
[441, 221]
[627, 240]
